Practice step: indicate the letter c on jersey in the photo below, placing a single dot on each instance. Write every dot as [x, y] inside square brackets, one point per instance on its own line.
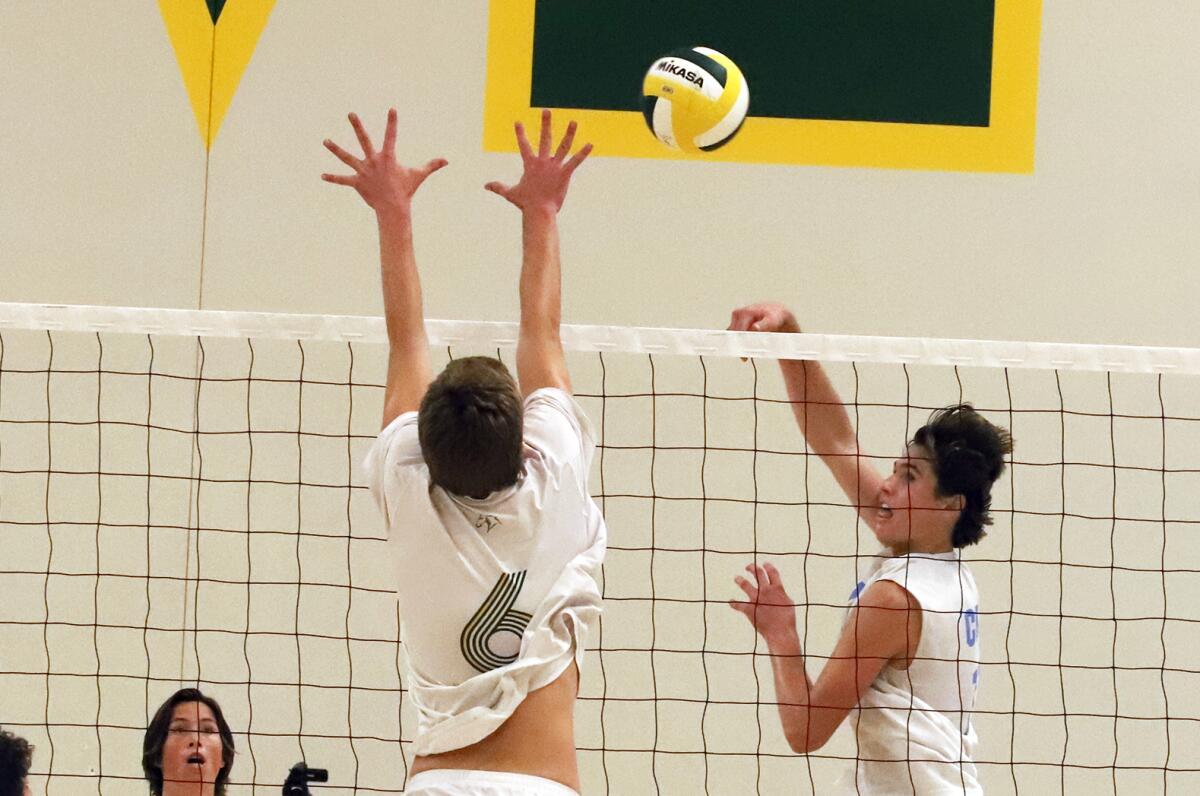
[971, 625]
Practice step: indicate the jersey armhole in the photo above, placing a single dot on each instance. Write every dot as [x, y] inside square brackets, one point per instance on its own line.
[920, 610]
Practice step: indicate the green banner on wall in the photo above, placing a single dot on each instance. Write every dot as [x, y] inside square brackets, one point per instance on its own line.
[914, 61]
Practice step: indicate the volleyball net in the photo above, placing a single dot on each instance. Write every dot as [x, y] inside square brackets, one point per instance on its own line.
[181, 503]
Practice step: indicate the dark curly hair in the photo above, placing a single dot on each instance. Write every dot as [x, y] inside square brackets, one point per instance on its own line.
[470, 427]
[159, 728]
[967, 452]
[16, 755]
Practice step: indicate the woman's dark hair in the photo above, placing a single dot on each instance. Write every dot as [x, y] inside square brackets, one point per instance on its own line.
[470, 426]
[159, 729]
[16, 755]
[968, 456]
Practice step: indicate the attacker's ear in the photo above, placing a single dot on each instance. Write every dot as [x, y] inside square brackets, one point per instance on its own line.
[954, 502]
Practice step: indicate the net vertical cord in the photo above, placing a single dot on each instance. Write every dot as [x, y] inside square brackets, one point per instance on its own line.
[349, 559]
[704, 565]
[249, 559]
[603, 579]
[758, 700]
[49, 560]
[653, 547]
[1162, 565]
[96, 558]
[907, 610]
[195, 460]
[808, 527]
[1062, 522]
[1012, 541]
[857, 501]
[958, 640]
[149, 520]
[299, 558]
[1112, 577]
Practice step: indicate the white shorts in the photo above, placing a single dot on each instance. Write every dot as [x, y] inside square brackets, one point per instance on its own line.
[458, 782]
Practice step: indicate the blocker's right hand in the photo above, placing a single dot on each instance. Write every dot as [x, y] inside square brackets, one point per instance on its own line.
[547, 175]
[767, 316]
[383, 183]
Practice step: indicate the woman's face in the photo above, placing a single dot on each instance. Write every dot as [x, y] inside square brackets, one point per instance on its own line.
[193, 752]
[910, 515]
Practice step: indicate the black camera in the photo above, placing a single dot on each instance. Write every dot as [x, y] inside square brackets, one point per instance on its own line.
[300, 776]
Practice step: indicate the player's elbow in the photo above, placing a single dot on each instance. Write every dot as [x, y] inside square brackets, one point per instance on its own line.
[797, 740]
[797, 743]
[806, 746]
[806, 740]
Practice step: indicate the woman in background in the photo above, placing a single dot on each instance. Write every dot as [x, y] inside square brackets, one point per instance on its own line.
[188, 748]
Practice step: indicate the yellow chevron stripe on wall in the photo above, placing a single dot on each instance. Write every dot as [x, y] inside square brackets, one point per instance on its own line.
[213, 42]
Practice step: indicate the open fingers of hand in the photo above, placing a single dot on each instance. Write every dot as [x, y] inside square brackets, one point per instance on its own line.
[360, 132]
[743, 608]
[760, 575]
[772, 574]
[564, 146]
[339, 179]
[544, 139]
[498, 188]
[432, 166]
[389, 135]
[750, 589]
[577, 159]
[344, 156]
[523, 142]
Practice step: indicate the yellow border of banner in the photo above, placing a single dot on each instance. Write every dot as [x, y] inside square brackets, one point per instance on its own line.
[1007, 145]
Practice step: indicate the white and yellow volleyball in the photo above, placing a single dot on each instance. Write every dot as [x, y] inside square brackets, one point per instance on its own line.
[695, 99]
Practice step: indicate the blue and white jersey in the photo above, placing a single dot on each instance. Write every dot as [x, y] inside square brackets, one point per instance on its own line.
[913, 726]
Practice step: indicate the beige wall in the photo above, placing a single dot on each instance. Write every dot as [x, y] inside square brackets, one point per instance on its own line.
[103, 177]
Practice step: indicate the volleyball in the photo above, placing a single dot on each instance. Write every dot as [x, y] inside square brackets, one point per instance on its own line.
[695, 99]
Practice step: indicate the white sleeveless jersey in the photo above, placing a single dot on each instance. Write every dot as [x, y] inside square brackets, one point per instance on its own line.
[913, 726]
[496, 595]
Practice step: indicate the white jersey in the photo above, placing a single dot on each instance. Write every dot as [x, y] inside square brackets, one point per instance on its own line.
[497, 595]
[913, 726]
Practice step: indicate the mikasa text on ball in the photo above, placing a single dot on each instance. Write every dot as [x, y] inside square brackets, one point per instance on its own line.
[695, 99]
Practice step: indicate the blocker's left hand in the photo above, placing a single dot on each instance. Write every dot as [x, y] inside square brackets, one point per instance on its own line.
[383, 183]
[547, 175]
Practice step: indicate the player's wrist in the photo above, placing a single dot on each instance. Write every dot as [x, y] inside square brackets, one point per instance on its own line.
[395, 212]
[783, 641]
[540, 211]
